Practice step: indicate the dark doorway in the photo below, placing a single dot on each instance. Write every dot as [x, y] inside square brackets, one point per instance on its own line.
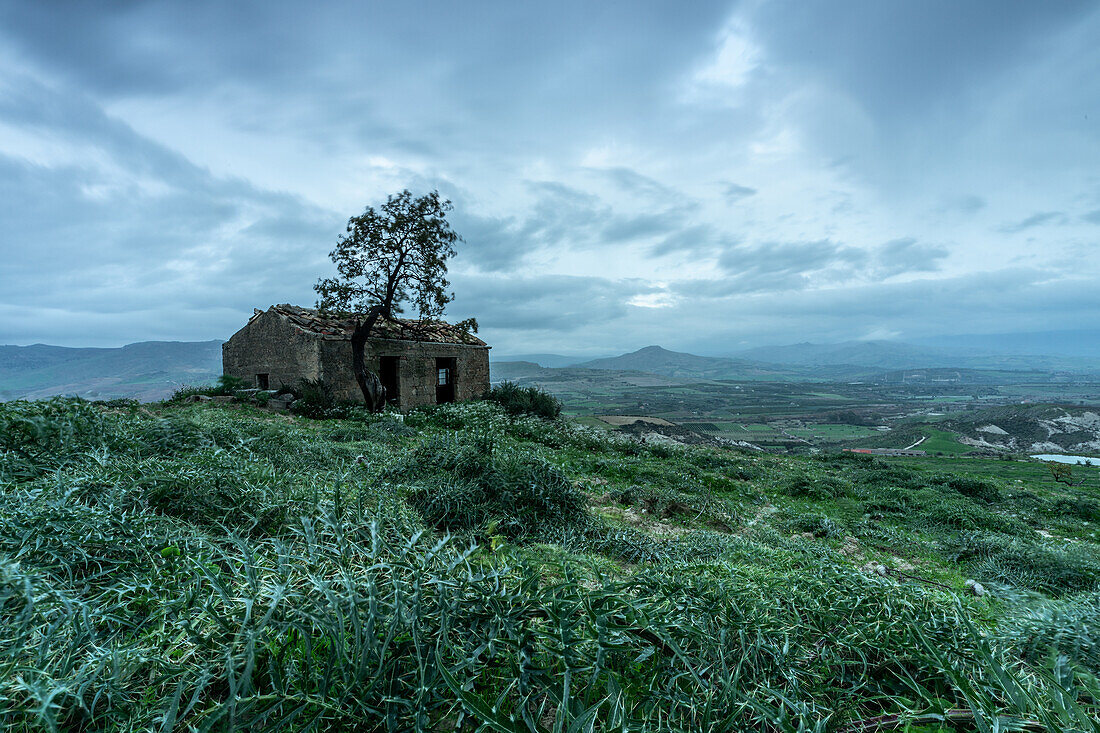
[387, 372]
[445, 380]
[261, 381]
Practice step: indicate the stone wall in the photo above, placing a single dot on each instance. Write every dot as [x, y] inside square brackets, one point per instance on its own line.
[269, 344]
[416, 369]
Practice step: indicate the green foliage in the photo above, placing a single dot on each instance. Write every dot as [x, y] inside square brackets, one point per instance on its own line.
[518, 400]
[210, 569]
[463, 485]
[1026, 564]
[315, 399]
[816, 487]
[818, 525]
[971, 487]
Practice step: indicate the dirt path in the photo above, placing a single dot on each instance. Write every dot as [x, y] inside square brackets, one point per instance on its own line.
[923, 438]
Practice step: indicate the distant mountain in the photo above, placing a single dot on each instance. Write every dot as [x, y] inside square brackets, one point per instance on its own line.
[1070, 343]
[510, 371]
[880, 354]
[149, 370]
[657, 360]
[899, 355]
[543, 360]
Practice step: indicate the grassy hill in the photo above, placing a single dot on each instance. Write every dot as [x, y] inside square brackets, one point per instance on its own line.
[218, 567]
[149, 370]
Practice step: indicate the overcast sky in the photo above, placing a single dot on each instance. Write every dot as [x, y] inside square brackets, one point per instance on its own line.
[704, 176]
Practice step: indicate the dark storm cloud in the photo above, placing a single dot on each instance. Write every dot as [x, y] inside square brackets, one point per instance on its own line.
[633, 182]
[547, 303]
[897, 58]
[563, 217]
[617, 135]
[694, 240]
[138, 228]
[419, 75]
[781, 266]
[1042, 218]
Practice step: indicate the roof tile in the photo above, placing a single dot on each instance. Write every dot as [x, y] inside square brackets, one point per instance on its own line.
[339, 326]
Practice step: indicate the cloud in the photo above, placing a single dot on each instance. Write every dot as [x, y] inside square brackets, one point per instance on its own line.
[783, 266]
[561, 304]
[734, 192]
[166, 167]
[966, 205]
[902, 256]
[136, 228]
[1042, 218]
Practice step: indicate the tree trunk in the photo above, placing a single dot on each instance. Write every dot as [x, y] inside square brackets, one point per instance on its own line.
[374, 394]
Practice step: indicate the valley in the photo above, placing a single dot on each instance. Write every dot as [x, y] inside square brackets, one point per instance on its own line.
[802, 409]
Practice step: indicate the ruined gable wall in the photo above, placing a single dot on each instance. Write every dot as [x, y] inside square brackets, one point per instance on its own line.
[270, 344]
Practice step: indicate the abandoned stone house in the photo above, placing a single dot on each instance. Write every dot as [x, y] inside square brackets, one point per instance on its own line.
[285, 344]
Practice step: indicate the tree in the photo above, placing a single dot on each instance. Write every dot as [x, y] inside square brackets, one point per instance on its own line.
[389, 259]
[1063, 473]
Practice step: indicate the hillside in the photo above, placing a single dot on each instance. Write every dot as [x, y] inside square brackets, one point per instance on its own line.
[149, 370]
[1030, 428]
[543, 360]
[218, 567]
[657, 360]
[893, 355]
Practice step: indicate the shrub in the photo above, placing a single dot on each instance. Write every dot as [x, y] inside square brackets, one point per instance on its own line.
[818, 487]
[1070, 627]
[39, 436]
[466, 484]
[817, 524]
[518, 400]
[971, 487]
[1026, 564]
[1082, 507]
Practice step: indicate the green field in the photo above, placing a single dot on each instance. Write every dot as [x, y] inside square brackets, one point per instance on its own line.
[219, 567]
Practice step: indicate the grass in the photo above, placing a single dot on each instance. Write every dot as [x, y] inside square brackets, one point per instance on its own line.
[216, 567]
[942, 441]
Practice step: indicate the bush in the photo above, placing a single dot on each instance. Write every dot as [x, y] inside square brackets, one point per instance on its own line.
[464, 485]
[1071, 627]
[819, 487]
[1025, 564]
[817, 524]
[518, 400]
[971, 487]
[40, 436]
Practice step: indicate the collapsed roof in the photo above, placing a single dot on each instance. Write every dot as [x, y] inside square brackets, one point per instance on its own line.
[339, 327]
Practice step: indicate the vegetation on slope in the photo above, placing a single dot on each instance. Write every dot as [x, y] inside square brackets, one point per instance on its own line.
[216, 567]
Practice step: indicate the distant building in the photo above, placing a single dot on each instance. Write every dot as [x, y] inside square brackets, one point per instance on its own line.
[418, 363]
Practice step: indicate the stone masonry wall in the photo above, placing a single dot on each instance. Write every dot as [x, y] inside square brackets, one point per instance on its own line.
[416, 369]
[270, 345]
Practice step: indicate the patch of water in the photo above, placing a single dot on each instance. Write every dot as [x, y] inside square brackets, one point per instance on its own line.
[1060, 458]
